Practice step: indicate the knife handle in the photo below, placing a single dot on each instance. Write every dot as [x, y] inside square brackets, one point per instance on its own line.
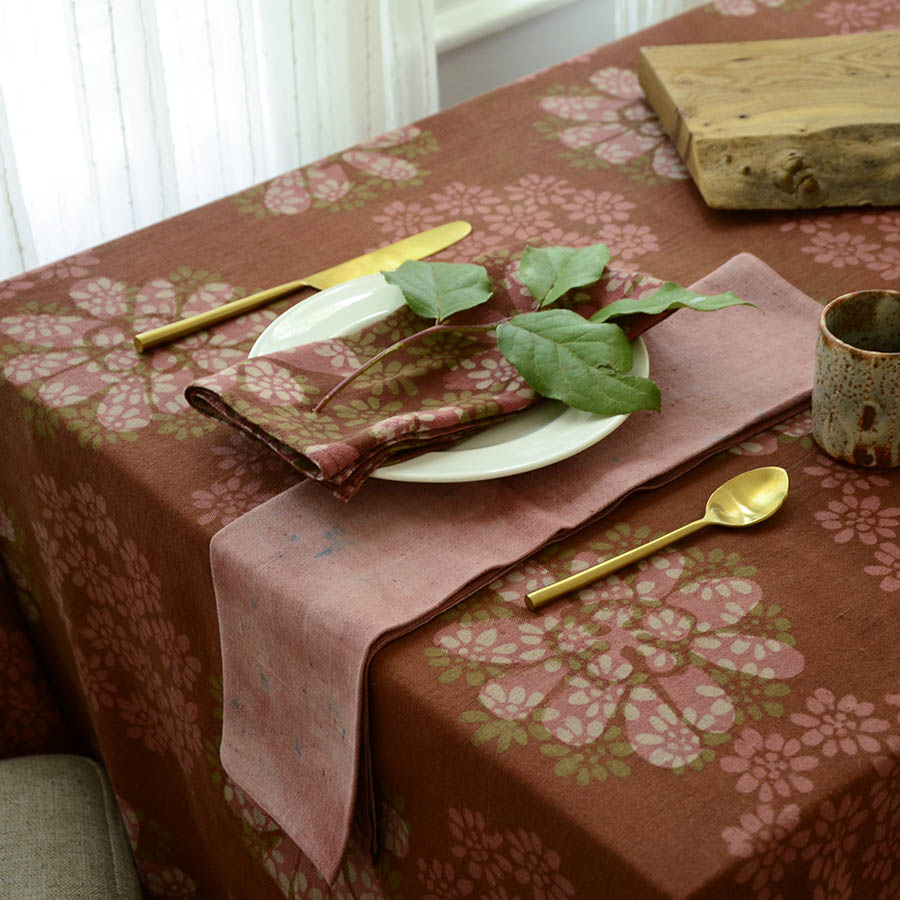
[171, 332]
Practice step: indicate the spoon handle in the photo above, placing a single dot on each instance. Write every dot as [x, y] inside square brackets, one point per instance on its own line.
[542, 596]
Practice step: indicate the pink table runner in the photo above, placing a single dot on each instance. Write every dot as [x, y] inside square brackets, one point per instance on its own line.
[308, 588]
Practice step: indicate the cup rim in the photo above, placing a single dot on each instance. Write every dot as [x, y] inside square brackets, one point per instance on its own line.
[844, 298]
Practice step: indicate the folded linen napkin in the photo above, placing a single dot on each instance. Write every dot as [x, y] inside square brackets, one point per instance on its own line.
[309, 588]
[432, 392]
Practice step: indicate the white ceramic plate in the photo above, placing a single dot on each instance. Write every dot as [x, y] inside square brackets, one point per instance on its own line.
[545, 433]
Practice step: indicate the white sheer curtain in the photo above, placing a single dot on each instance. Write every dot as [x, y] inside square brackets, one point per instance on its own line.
[632, 15]
[117, 113]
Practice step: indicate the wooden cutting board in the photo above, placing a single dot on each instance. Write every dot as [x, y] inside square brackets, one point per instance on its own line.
[784, 124]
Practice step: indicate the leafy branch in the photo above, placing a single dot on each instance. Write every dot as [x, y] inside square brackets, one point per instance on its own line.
[409, 339]
[583, 362]
[434, 291]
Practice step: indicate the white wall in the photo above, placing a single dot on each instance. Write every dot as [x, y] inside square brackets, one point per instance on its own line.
[483, 44]
[528, 37]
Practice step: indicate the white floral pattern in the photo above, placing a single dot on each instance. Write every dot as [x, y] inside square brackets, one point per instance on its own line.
[346, 180]
[614, 124]
[869, 242]
[80, 361]
[542, 209]
[621, 658]
[130, 656]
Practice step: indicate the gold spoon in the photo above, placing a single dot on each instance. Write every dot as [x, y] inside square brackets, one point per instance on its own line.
[744, 500]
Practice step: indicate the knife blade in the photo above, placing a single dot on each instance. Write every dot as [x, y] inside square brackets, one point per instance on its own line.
[416, 246]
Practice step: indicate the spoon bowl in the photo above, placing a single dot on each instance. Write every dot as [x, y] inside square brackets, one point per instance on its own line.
[746, 499]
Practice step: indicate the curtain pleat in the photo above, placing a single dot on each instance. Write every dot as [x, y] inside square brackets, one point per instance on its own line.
[412, 63]
[17, 251]
[119, 113]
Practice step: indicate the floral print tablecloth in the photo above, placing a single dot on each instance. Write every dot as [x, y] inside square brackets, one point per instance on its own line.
[723, 722]
[725, 718]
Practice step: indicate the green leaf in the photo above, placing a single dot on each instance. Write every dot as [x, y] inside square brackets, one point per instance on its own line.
[436, 290]
[555, 329]
[669, 296]
[583, 364]
[551, 272]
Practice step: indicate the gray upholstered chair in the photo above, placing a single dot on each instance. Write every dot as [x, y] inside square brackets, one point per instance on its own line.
[61, 834]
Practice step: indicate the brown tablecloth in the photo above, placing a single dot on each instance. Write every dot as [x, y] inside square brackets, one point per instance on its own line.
[788, 783]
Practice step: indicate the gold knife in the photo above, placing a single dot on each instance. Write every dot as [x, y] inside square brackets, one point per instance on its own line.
[385, 258]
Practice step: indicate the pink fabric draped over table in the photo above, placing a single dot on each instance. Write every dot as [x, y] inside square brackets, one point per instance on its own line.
[722, 721]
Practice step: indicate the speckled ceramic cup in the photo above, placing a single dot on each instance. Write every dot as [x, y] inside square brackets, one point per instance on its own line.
[856, 392]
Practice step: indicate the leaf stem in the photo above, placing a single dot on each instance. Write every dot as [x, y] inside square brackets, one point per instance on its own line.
[434, 329]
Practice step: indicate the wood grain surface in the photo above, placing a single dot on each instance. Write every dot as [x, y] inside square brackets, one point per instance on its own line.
[783, 124]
